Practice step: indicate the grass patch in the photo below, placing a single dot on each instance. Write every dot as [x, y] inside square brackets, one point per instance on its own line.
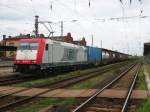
[91, 82]
[141, 84]
[145, 107]
[147, 66]
[59, 77]
[38, 105]
[47, 80]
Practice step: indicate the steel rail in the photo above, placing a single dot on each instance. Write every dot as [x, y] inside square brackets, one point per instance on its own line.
[51, 85]
[16, 76]
[60, 81]
[8, 77]
[99, 91]
[6, 66]
[24, 100]
[14, 79]
[125, 105]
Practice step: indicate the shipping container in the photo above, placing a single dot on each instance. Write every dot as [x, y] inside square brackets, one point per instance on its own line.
[94, 55]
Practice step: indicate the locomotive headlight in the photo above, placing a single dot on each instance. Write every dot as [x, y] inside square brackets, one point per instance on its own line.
[17, 61]
[33, 61]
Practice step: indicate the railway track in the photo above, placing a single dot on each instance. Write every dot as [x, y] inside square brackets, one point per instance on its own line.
[6, 66]
[56, 85]
[18, 78]
[90, 105]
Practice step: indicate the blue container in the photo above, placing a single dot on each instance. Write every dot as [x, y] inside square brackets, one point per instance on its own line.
[94, 54]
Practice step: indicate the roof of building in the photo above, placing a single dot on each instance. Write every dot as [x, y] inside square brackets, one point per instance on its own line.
[147, 43]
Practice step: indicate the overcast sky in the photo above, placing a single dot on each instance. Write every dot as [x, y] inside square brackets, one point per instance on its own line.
[124, 35]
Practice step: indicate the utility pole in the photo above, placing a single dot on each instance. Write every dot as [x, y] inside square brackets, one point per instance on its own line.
[62, 29]
[36, 26]
[92, 40]
[128, 47]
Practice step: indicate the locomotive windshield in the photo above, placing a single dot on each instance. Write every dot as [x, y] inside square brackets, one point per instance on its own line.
[28, 46]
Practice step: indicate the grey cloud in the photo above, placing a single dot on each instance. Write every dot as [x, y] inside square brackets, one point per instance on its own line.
[115, 34]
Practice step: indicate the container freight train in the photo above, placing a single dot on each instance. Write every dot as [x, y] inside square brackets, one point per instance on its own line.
[45, 54]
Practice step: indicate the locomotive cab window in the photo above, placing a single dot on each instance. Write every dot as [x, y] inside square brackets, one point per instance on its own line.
[28, 46]
[33, 46]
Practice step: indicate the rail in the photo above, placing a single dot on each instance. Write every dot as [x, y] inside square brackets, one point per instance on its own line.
[78, 109]
[69, 82]
[125, 105]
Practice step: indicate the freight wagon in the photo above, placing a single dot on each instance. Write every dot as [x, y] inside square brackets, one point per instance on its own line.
[110, 56]
[94, 55]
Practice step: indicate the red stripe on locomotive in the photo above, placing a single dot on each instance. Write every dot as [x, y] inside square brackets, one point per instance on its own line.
[40, 51]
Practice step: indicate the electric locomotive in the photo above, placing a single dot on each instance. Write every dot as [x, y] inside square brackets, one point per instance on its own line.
[44, 53]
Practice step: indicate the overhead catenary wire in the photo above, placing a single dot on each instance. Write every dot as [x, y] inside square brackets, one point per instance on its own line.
[62, 4]
[33, 8]
[123, 19]
[26, 18]
[140, 26]
[13, 9]
[75, 4]
[51, 5]
[140, 17]
[121, 1]
[66, 7]
[89, 3]
[56, 23]
[116, 18]
[19, 11]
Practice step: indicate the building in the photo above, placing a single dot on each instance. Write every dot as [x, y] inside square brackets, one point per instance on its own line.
[66, 38]
[81, 42]
[11, 41]
[69, 39]
[146, 53]
[1, 43]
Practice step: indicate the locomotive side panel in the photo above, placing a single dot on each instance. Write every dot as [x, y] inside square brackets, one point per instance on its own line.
[47, 55]
[82, 54]
[61, 54]
[58, 52]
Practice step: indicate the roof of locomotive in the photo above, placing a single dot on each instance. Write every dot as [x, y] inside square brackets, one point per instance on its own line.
[31, 40]
[103, 49]
[50, 41]
[63, 43]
